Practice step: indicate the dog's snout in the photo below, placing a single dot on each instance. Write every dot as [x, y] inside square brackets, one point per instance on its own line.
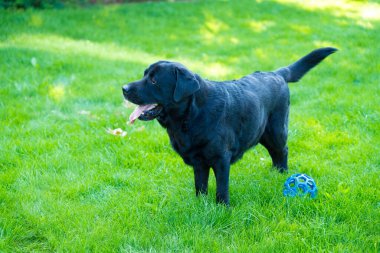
[131, 93]
[126, 89]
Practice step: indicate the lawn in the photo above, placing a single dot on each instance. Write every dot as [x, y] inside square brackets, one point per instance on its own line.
[67, 185]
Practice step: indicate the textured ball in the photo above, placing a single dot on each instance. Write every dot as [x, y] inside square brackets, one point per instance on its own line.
[300, 185]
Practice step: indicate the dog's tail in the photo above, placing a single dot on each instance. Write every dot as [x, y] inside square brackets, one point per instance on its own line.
[295, 71]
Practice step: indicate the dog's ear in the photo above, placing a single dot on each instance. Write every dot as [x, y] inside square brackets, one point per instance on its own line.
[186, 84]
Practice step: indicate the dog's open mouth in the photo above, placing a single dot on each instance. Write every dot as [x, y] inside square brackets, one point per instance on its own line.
[145, 112]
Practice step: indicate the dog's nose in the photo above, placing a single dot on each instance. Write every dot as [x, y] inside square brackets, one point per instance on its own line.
[126, 89]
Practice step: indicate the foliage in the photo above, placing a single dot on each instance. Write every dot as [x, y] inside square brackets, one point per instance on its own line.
[59, 3]
[68, 185]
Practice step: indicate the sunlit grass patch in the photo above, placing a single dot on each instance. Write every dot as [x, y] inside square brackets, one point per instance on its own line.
[358, 10]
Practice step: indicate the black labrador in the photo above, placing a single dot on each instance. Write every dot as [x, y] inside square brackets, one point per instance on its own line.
[211, 124]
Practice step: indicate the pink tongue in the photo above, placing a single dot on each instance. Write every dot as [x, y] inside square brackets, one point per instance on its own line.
[139, 110]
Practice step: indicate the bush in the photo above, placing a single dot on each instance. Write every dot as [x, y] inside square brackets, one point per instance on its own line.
[41, 4]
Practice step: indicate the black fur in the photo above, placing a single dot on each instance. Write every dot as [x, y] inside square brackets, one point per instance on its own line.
[211, 124]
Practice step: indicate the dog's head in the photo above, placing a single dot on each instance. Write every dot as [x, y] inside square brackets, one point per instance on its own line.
[164, 84]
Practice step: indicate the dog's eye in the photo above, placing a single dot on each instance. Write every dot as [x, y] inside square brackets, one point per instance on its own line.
[153, 80]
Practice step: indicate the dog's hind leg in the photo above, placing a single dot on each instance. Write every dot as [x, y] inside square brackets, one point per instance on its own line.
[275, 137]
[279, 157]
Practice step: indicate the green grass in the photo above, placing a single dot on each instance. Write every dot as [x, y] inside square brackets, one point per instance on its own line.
[68, 186]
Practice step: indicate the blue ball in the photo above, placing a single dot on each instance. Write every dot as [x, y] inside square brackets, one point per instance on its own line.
[300, 185]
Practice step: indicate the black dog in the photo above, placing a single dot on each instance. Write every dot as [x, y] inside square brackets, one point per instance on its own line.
[212, 124]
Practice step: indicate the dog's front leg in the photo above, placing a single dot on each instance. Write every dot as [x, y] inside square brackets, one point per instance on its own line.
[222, 174]
[201, 173]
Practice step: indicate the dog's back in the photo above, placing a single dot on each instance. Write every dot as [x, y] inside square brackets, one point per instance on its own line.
[255, 108]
